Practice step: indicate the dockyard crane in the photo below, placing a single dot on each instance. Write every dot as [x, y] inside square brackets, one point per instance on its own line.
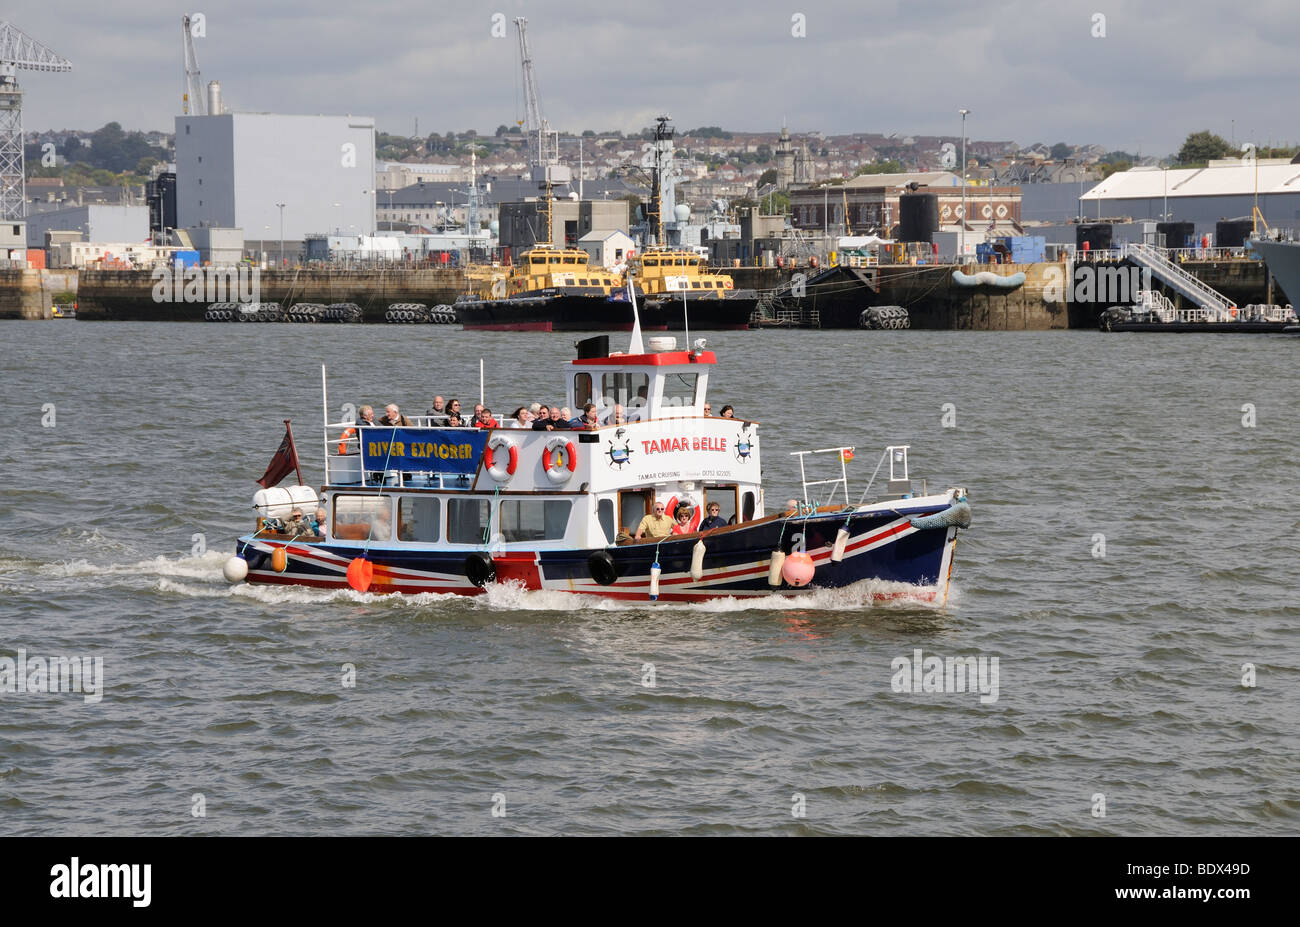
[543, 143]
[17, 50]
[193, 102]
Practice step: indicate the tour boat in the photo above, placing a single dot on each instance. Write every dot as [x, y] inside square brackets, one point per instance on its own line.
[452, 510]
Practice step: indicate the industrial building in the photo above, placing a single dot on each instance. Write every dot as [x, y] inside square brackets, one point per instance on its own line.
[522, 225]
[275, 177]
[95, 223]
[1204, 196]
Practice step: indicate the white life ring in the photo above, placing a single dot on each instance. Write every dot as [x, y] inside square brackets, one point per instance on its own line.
[502, 467]
[559, 459]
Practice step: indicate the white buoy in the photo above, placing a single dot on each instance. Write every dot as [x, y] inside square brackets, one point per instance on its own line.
[841, 539]
[697, 561]
[774, 568]
[235, 569]
[654, 579]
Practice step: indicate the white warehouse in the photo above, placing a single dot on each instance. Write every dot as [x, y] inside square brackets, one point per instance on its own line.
[233, 169]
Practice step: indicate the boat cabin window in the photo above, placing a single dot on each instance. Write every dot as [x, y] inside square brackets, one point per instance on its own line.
[534, 519]
[554, 260]
[725, 497]
[651, 263]
[623, 388]
[582, 281]
[570, 260]
[679, 389]
[418, 518]
[581, 390]
[538, 260]
[605, 515]
[695, 284]
[634, 505]
[467, 520]
[360, 518]
[747, 507]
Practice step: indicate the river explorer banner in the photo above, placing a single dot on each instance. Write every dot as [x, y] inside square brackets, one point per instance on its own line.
[444, 450]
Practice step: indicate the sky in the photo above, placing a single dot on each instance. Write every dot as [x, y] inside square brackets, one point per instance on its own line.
[1132, 75]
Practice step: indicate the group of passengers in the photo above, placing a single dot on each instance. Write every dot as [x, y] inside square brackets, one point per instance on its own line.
[300, 526]
[446, 413]
[658, 525]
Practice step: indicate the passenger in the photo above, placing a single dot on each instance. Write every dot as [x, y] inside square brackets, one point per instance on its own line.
[559, 418]
[381, 525]
[714, 519]
[318, 523]
[543, 422]
[620, 416]
[296, 525]
[683, 524]
[535, 408]
[478, 410]
[590, 417]
[453, 420]
[708, 409]
[728, 412]
[485, 419]
[453, 405]
[791, 508]
[438, 411]
[393, 417]
[655, 525]
[520, 418]
[366, 416]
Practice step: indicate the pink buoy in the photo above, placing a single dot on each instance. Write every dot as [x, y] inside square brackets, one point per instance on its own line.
[798, 569]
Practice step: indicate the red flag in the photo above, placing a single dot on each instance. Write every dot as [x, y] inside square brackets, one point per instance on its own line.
[283, 463]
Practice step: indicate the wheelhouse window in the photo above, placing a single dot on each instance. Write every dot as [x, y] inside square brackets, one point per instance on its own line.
[467, 520]
[581, 390]
[624, 388]
[605, 515]
[418, 518]
[747, 507]
[679, 389]
[534, 519]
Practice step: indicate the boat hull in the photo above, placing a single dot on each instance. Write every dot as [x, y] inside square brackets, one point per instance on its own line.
[705, 313]
[555, 312]
[883, 546]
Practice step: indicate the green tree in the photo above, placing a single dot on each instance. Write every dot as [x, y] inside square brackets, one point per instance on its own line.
[1061, 151]
[768, 176]
[776, 204]
[1203, 146]
[889, 166]
[501, 130]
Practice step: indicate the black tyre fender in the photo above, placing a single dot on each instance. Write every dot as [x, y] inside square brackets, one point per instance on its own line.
[479, 569]
[603, 568]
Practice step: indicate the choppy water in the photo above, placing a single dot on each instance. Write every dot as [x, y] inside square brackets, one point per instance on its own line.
[1119, 675]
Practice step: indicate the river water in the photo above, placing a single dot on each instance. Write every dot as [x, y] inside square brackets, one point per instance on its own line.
[1133, 549]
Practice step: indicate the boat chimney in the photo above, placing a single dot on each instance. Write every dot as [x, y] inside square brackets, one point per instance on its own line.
[593, 347]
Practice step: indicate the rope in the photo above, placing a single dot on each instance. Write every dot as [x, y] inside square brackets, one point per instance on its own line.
[383, 476]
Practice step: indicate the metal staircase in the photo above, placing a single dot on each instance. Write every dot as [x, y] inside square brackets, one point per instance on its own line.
[1180, 281]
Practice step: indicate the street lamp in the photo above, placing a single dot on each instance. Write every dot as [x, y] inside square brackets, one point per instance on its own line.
[961, 240]
[337, 230]
[281, 206]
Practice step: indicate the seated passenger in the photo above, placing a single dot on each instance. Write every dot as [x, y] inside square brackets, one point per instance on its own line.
[655, 525]
[543, 422]
[453, 420]
[555, 423]
[588, 419]
[438, 411]
[728, 412]
[296, 525]
[683, 523]
[708, 409]
[393, 417]
[366, 416]
[619, 417]
[453, 405]
[318, 523]
[791, 508]
[714, 519]
[485, 419]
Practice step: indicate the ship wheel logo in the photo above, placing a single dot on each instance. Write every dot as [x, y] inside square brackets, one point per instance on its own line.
[744, 444]
[618, 456]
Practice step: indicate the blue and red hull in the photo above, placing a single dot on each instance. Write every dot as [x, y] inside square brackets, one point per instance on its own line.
[884, 546]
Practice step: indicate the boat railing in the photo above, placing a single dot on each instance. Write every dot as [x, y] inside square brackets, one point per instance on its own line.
[343, 460]
[899, 484]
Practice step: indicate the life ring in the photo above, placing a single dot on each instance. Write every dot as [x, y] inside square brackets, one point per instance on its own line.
[343, 441]
[479, 569]
[494, 466]
[561, 466]
[602, 567]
